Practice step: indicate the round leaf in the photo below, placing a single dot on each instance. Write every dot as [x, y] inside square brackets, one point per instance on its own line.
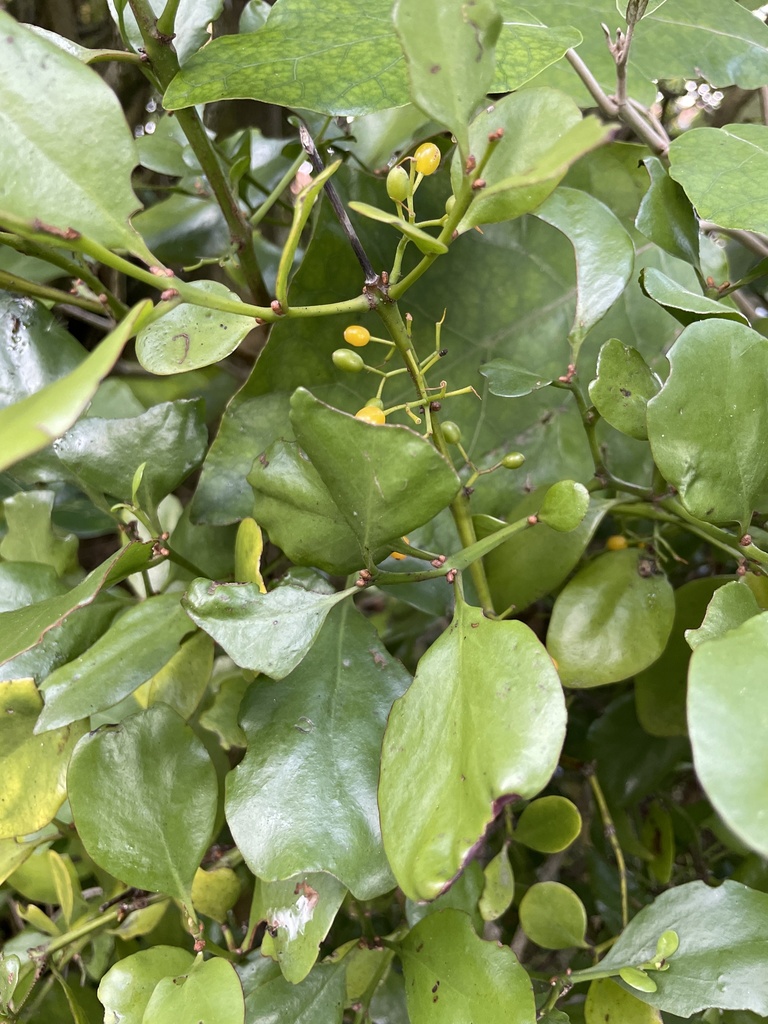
[607, 1001]
[612, 620]
[731, 605]
[126, 988]
[483, 721]
[727, 719]
[207, 993]
[144, 795]
[553, 916]
[452, 975]
[215, 892]
[549, 824]
[565, 506]
[621, 390]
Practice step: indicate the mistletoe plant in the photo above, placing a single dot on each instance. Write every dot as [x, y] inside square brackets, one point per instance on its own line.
[383, 546]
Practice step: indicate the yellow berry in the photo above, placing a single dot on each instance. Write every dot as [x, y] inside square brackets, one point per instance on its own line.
[371, 414]
[397, 555]
[617, 543]
[427, 158]
[357, 336]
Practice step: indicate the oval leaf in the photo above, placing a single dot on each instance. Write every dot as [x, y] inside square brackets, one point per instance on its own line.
[209, 991]
[480, 687]
[623, 387]
[564, 507]
[549, 824]
[607, 1001]
[126, 988]
[553, 916]
[499, 888]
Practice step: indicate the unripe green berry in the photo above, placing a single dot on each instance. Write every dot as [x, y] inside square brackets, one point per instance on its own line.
[398, 184]
[450, 202]
[451, 432]
[350, 362]
[513, 461]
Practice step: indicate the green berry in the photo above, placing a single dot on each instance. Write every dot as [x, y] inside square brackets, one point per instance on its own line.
[450, 202]
[513, 461]
[451, 432]
[375, 403]
[398, 184]
[350, 362]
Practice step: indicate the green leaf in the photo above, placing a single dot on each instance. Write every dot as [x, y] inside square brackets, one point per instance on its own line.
[612, 620]
[425, 242]
[564, 506]
[447, 766]
[192, 336]
[722, 934]
[215, 892]
[526, 47]
[727, 706]
[708, 426]
[296, 509]
[182, 680]
[605, 255]
[302, 799]
[730, 606]
[35, 421]
[9, 976]
[684, 305]
[660, 691]
[553, 916]
[386, 480]
[721, 169]
[115, 665]
[532, 564]
[287, 62]
[499, 888]
[298, 913]
[191, 27]
[622, 388]
[31, 537]
[449, 53]
[209, 991]
[144, 795]
[269, 633]
[509, 381]
[452, 975]
[608, 1001]
[463, 895]
[25, 627]
[47, 96]
[33, 768]
[127, 986]
[105, 453]
[666, 216]
[549, 824]
[221, 715]
[544, 133]
[272, 999]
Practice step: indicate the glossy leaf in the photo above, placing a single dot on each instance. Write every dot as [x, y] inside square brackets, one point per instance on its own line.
[532, 564]
[115, 665]
[298, 913]
[33, 769]
[549, 824]
[221, 713]
[271, 999]
[296, 509]
[708, 426]
[660, 691]
[156, 842]
[269, 633]
[215, 892]
[564, 506]
[526, 46]
[684, 305]
[605, 255]
[461, 741]
[182, 681]
[189, 337]
[544, 133]
[32, 538]
[623, 387]
[727, 708]
[463, 895]
[452, 975]
[424, 242]
[666, 216]
[127, 986]
[105, 454]
[32, 423]
[303, 799]
[50, 173]
[509, 381]
[191, 26]
[449, 53]
[608, 1001]
[553, 916]
[612, 620]
[386, 480]
[731, 605]
[722, 934]
[209, 991]
[499, 888]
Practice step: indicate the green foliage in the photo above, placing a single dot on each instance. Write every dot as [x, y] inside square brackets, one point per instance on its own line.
[433, 714]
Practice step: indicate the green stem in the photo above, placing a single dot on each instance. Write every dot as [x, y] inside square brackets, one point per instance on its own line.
[94, 925]
[180, 560]
[21, 286]
[610, 834]
[165, 66]
[167, 20]
[278, 190]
